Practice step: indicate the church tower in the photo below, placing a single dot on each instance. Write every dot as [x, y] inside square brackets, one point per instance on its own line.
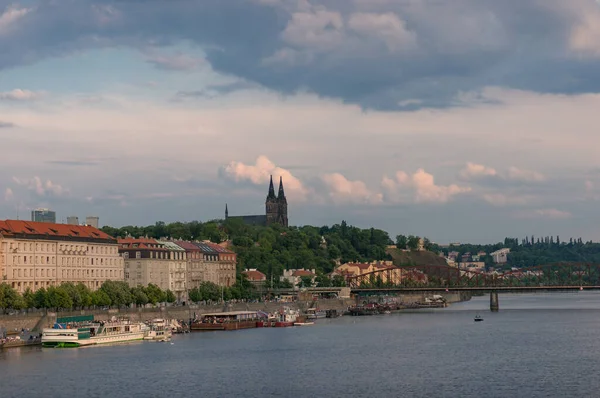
[282, 216]
[271, 204]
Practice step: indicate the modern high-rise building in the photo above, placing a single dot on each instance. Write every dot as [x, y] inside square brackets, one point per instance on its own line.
[73, 220]
[92, 221]
[43, 215]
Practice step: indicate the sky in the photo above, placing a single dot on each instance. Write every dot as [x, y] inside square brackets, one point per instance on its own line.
[462, 121]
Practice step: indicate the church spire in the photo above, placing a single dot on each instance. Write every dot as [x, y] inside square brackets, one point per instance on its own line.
[271, 194]
[281, 195]
[226, 211]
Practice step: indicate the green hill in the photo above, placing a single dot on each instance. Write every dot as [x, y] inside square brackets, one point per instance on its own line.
[405, 258]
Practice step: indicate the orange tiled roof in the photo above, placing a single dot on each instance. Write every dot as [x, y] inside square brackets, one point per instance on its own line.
[14, 227]
[219, 248]
[302, 272]
[255, 275]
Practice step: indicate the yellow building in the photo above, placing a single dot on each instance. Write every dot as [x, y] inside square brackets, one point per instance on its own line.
[38, 255]
[390, 273]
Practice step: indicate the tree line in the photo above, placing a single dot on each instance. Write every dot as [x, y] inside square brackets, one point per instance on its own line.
[69, 296]
[531, 251]
[273, 249]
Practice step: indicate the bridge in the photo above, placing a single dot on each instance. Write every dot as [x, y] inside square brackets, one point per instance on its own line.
[432, 278]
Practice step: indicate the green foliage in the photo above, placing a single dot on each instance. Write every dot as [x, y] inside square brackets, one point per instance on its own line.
[274, 249]
[531, 251]
[118, 293]
[170, 297]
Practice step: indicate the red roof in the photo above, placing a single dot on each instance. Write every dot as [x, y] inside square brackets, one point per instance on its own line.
[13, 227]
[188, 246]
[302, 272]
[219, 248]
[255, 275]
[142, 243]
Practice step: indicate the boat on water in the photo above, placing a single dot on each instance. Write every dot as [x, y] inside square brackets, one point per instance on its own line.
[478, 318]
[159, 330]
[79, 331]
[233, 320]
[303, 323]
[286, 317]
[315, 313]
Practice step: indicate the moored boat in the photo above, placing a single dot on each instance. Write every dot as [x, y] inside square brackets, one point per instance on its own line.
[233, 320]
[159, 330]
[315, 313]
[79, 331]
[286, 317]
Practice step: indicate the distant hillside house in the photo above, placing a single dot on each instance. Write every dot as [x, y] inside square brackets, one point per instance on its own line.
[500, 256]
[255, 277]
[294, 276]
[275, 206]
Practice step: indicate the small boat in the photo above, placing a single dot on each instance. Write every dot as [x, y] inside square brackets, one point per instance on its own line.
[303, 323]
[315, 313]
[232, 320]
[478, 318]
[159, 330]
[286, 317]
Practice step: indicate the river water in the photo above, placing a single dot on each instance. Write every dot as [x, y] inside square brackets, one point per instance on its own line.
[538, 345]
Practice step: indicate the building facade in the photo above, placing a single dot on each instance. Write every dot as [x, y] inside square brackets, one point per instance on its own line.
[149, 261]
[294, 276]
[43, 215]
[73, 220]
[38, 255]
[276, 209]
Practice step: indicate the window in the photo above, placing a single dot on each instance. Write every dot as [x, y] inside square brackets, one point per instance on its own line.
[138, 254]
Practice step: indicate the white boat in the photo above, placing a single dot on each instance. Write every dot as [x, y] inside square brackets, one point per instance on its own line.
[303, 323]
[159, 330]
[78, 332]
[314, 313]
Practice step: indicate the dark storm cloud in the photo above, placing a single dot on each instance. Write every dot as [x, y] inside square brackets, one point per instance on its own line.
[379, 54]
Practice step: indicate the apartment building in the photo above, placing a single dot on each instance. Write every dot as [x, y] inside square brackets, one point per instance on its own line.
[37, 255]
[149, 261]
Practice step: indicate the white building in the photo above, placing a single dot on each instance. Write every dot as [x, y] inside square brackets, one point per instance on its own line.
[500, 256]
[294, 276]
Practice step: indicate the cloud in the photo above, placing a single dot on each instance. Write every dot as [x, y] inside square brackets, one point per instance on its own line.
[549, 213]
[11, 15]
[20, 95]
[6, 125]
[8, 195]
[479, 172]
[423, 187]
[474, 170]
[342, 190]
[41, 188]
[327, 46]
[387, 27]
[260, 173]
[517, 174]
[177, 62]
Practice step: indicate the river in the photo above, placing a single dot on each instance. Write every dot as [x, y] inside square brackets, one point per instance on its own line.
[538, 345]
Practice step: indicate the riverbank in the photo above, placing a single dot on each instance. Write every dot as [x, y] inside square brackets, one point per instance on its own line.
[39, 319]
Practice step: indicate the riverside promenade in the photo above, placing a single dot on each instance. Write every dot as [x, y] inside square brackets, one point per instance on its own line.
[39, 319]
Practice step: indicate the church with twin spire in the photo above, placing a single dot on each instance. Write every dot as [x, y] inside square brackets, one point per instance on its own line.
[275, 209]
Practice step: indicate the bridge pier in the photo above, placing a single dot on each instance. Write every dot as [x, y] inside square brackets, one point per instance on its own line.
[494, 303]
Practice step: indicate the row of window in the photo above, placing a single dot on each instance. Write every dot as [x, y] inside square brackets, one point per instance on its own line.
[65, 273]
[51, 260]
[47, 247]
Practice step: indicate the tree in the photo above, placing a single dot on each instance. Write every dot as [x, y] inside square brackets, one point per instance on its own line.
[139, 296]
[170, 297]
[338, 281]
[323, 281]
[118, 292]
[305, 281]
[401, 241]
[100, 298]
[155, 294]
[413, 242]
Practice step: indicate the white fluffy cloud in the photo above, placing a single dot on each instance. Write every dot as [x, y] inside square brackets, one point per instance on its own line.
[549, 213]
[260, 173]
[41, 188]
[342, 190]
[387, 27]
[474, 170]
[423, 187]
